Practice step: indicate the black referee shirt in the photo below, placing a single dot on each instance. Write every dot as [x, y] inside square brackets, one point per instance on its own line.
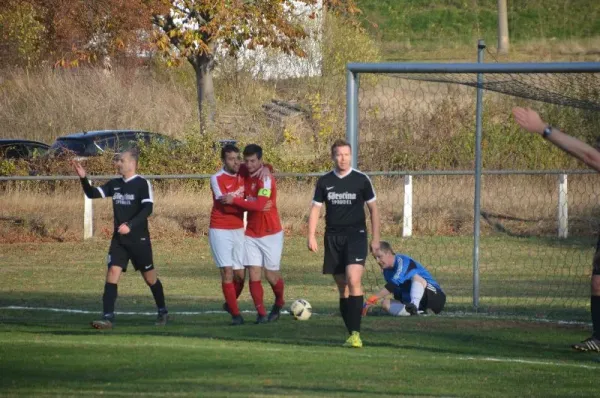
[344, 199]
[132, 203]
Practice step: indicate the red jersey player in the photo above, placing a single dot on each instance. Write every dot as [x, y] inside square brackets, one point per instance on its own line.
[264, 236]
[226, 230]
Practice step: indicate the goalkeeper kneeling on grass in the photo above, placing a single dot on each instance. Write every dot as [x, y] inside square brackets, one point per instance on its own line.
[414, 289]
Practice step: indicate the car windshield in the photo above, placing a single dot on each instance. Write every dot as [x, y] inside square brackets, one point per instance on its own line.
[76, 146]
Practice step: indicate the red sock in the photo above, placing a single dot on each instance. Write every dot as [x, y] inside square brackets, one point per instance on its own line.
[239, 286]
[256, 291]
[230, 298]
[278, 290]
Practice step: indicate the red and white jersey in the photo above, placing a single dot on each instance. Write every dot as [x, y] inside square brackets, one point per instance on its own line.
[259, 192]
[226, 216]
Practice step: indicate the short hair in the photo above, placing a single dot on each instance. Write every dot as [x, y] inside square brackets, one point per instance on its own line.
[228, 149]
[253, 149]
[386, 247]
[133, 152]
[338, 144]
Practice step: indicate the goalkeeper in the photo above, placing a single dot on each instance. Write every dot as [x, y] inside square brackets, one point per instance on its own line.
[413, 287]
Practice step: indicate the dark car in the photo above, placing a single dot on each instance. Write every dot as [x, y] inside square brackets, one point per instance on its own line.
[92, 143]
[21, 149]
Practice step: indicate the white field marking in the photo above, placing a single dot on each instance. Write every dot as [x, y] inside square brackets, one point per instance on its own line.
[230, 346]
[77, 311]
[507, 317]
[525, 361]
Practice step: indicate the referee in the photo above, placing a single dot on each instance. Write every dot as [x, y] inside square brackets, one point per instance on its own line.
[132, 204]
[345, 191]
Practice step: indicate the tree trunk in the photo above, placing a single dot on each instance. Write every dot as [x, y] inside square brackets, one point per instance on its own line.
[203, 65]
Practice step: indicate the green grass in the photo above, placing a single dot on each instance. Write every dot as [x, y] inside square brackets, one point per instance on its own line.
[55, 353]
[411, 28]
[465, 20]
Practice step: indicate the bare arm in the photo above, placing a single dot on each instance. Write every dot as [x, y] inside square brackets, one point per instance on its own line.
[531, 121]
[313, 220]
[375, 225]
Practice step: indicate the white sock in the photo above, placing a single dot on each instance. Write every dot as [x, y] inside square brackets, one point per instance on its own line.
[416, 293]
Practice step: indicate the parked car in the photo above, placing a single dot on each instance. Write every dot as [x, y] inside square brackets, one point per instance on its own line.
[21, 149]
[92, 143]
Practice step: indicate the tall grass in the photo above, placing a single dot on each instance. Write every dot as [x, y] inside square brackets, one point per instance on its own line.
[442, 205]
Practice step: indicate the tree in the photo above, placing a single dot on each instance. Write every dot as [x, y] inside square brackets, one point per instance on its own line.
[192, 30]
[90, 30]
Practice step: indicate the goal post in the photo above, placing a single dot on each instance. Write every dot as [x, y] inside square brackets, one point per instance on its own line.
[525, 81]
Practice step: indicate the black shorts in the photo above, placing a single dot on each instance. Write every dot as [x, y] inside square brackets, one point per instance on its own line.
[433, 299]
[343, 250]
[596, 261]
[138, 251]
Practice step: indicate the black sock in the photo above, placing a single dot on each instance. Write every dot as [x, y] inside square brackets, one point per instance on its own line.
[159, 295]
[344, 311]
[595, 309]
[109, 298]
[355, 306]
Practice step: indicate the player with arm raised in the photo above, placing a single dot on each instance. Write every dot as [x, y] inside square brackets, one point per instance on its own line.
[264, 236]
[226, 230]
[532, 122]
[345, 191]
[133, 201]
[413, 287]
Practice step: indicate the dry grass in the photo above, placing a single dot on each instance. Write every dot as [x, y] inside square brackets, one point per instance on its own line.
[442, 205]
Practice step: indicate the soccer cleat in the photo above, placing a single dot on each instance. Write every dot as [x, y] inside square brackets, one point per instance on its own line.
[274, 314]
[104, 323]
[354, 341]
[261, 319]
[590, 344]
[237, 320]
[226, 308]
[162, 318]
[411, 309]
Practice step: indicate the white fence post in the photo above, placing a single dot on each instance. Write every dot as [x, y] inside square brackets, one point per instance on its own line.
[408, 203]
[563, 207]
[88, 218]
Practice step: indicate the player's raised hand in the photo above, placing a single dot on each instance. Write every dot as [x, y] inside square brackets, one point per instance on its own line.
[78, 168]
[312, 244]
[529, 119]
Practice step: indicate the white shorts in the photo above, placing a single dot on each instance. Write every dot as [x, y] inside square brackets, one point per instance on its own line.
[264, 252]
[227, 247]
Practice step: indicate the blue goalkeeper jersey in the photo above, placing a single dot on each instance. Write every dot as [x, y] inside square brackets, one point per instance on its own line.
[400, 276]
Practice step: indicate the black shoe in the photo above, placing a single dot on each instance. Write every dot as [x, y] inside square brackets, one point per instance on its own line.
[237, 320]
[226, 308]
[261, 319]
[589, 344]
[274, 314]
[105, 323]
[162, 318]
[411, 309]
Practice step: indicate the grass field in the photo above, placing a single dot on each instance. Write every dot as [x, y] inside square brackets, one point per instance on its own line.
[47, 353]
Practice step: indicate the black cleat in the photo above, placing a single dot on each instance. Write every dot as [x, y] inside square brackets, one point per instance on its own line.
[162, 318]
[237, 320]
[589, 344]
[261, 319]
[274, 314]
[104, 323]
[226, 308]
[411, 309]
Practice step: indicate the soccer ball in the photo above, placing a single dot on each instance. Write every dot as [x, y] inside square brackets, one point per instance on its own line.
[301, 310]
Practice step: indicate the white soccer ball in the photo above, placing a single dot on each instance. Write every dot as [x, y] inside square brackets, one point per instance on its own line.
[301, 310]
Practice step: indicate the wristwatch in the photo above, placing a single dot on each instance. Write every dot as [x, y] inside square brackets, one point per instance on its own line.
[547, 131]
